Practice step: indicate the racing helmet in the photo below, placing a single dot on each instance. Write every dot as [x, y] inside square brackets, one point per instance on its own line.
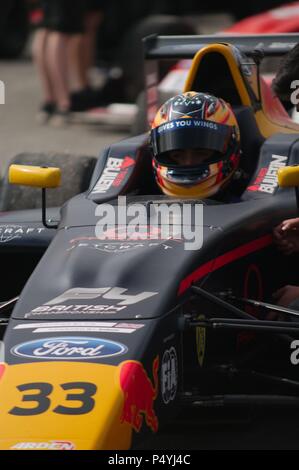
[198, 121]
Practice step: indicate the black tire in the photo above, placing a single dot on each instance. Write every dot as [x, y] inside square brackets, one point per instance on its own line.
[131, 54]
[76, 175]
[15, 31]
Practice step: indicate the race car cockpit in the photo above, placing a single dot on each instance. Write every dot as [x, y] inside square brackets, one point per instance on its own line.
[224, 66]
[268, 135]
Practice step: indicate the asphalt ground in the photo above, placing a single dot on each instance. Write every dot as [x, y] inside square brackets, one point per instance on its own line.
[20, 131]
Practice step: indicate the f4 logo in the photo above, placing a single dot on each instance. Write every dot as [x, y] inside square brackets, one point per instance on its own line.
[107, 293]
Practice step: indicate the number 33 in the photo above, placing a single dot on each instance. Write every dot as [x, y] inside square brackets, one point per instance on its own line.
[44, 390]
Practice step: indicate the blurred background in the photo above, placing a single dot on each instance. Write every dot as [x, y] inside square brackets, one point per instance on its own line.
[115, 71]
[102, 101]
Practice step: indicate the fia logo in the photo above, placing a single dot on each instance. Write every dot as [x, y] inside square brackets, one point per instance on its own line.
[169, 376]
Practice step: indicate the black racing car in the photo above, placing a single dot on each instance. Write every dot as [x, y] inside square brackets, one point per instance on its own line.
[113, 335]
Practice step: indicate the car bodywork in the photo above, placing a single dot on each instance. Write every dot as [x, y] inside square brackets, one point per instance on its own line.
[111, 337]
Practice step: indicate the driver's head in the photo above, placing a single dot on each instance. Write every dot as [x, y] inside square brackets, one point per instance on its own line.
[196, 145]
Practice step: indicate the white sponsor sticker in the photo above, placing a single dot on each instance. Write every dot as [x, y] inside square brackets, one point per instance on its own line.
[69, 348]
[270, 181]
[54, 307]
[100, 327]
[107, 293]
[113, 175]
[61, 324]
[12, 232]
[51, 445]
[85, 329]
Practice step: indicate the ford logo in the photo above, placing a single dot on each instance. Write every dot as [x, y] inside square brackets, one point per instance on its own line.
[69, 348]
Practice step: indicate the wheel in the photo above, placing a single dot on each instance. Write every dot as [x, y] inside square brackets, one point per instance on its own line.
[14, 31]
[76, 175]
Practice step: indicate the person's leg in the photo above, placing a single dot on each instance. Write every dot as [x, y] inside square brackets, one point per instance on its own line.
[65, 18]
[39, 51]
[39, 56]
[93, 20]
[57, 61]
[77, 76]
[82, 51]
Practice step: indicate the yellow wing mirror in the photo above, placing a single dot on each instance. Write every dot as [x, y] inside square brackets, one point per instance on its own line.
[288, 177]
[36, 177]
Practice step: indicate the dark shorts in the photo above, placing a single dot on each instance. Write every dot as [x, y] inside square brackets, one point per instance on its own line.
[64, 16]
[95, 5]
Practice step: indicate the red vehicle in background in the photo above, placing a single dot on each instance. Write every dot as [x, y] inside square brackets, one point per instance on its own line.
[283, 19]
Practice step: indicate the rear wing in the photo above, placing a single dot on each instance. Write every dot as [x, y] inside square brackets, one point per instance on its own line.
[167, 49]
[185, 47]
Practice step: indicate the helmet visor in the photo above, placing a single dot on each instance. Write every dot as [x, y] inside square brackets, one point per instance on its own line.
[190, 134]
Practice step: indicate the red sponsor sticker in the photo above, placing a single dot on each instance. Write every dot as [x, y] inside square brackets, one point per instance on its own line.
[127, 164]
[266, 181]
[259, 180]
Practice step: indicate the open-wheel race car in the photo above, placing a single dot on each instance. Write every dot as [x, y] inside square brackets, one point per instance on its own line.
[111, 337]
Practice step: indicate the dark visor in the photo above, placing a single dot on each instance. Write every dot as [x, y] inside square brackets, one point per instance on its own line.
[190, 134]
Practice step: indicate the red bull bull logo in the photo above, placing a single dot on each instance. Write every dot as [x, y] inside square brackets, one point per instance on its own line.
[139, 395]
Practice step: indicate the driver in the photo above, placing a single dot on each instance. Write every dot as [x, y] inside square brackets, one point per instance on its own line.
[195, 140]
